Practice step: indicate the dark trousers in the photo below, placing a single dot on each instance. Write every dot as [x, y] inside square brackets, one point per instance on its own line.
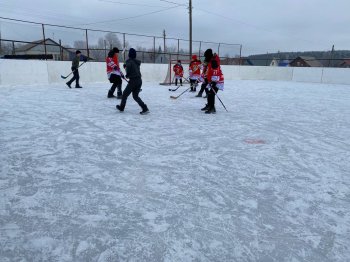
[75, 77]
[117, 83]
[211, 96]
[176, 81]
[203, 88]
[134, 88]
[193, 85]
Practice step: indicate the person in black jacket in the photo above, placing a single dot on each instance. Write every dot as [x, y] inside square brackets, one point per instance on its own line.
[132, 68]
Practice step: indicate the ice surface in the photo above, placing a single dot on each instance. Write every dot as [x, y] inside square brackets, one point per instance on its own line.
[80, 181]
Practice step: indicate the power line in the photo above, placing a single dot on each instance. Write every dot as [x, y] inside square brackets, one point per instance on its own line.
[132, 17]
[133, 4]
[170, 2]
[248, 24]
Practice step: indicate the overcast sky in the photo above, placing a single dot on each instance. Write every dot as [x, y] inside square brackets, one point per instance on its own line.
[260, 25]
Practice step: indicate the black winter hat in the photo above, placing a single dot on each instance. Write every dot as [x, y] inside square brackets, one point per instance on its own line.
[208, 54]
[132, 53]
[77, 52]
[116, 50]
[111, 53]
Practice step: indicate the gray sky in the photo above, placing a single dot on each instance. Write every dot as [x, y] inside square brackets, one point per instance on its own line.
[260, 25]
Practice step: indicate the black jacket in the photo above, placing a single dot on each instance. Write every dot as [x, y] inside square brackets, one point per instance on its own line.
[133, 68]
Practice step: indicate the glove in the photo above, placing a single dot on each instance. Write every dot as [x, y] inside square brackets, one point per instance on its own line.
[73, 68]
[124, 66]
[85, 59]
[122, 75]
[115, 68]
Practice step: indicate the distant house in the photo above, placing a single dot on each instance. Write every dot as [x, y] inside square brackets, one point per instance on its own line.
[52, 48]
[278, 62]
[275, 62]
[305, 61]
[345, 63]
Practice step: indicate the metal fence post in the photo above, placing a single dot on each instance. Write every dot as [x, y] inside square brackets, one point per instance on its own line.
[178, 48]
[61, 50]
[13, 48]
[219, 49]
[240, 55]
[42, 25]
[87, 43]
[154, 49]
[105, 47]
[124, 45]
[200, 47]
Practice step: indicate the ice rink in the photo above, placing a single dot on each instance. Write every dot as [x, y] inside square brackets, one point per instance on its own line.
[268, 181]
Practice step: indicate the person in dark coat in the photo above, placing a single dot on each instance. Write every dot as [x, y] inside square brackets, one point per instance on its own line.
[75, 66]
[132, 68]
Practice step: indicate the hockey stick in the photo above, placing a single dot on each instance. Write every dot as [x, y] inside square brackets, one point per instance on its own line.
[176, 97]
[186, 79]
[174, 89]
[65, 77]
[219, 99]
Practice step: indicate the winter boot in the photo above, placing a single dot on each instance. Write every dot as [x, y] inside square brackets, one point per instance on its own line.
[68, 84]
[78, 87]
[199, 94]
[144, 111]
[205, 108]
[110, 94]
[211, 110]
[120, 108]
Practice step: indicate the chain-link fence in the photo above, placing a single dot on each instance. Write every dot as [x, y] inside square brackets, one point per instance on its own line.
[30, 40]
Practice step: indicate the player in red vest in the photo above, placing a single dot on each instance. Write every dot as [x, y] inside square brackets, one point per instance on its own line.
[215, 79]
[195, 72]
[179, 72]
[114, 73]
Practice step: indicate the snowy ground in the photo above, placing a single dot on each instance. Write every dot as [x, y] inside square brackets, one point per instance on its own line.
[80, 181]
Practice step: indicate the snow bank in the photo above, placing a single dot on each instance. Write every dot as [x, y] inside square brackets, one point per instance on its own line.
[14, 72]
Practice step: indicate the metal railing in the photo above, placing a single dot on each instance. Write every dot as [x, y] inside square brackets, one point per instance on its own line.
[62, 40]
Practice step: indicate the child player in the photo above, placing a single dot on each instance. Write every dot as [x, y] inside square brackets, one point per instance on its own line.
[75, 66]
[195, 72]
[179, 72]
[215, 79]
[114, 73]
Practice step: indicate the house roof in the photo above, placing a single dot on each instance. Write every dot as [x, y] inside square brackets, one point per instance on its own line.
[346, 61]
[310, 60]
[31, 45]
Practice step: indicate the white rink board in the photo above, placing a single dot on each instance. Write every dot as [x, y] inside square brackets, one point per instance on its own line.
[311, 75]
[19, 72]
[16, 72]
[336, 76]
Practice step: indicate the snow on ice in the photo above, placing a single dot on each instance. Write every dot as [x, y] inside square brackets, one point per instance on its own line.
[268, 181]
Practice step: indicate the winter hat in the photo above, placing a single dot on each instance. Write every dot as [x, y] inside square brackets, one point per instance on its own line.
[208, 54]
[194, 57]
[111, 53]
[77, 52]
[179, 61]
[116, 50]
[132, 53]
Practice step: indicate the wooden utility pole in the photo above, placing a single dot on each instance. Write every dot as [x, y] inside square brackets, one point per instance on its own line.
[190, 17]
[331, 57]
